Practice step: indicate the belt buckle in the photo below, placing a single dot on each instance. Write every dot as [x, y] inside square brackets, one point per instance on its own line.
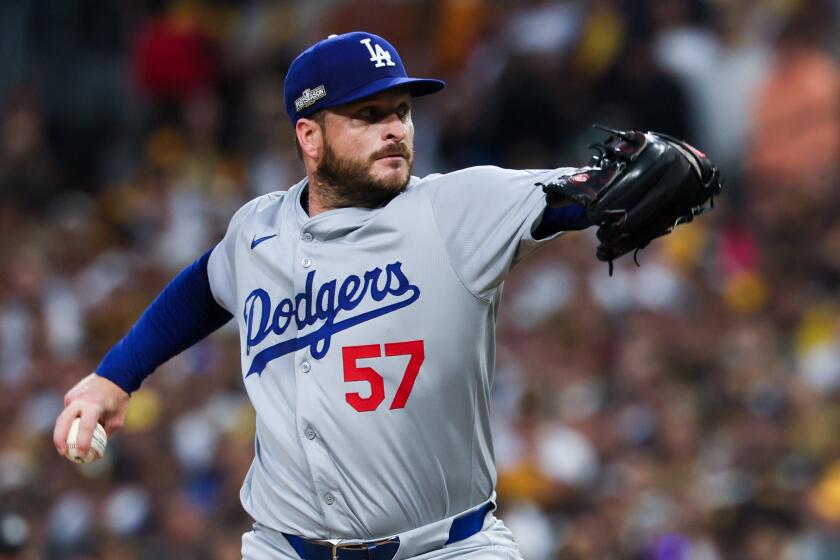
[358, 546]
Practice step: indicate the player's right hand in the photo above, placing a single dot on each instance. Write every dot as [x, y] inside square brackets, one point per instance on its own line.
[93, 399]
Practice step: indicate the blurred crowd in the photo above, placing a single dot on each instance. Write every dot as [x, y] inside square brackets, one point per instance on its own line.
[683, 410]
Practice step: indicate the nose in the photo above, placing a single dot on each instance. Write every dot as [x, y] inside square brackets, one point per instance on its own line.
[393, 128]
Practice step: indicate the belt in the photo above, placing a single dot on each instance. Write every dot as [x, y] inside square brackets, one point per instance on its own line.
[463, 526]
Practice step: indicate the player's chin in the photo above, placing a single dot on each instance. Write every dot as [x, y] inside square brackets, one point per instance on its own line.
[392, 174]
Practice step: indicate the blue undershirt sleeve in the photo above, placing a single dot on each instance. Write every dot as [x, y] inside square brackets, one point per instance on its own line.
[565, 218]
[182, 314]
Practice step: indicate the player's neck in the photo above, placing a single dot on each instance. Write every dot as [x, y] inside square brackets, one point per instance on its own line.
[312, 202]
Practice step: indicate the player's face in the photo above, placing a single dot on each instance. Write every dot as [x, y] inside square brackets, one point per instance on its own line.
[368, 149]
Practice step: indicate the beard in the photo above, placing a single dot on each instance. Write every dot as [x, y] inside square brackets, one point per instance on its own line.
[349, 182]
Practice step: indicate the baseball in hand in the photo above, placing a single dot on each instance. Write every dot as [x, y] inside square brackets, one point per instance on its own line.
[97, 444]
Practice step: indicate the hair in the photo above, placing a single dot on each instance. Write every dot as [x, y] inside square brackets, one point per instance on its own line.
[318, 116]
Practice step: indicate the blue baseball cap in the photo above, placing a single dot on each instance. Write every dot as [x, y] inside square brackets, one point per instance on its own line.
[346, 68]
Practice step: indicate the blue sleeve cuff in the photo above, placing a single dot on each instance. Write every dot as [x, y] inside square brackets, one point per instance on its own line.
[182, 314]
[564, 218]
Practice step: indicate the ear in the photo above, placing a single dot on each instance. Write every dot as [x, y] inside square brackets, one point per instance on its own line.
[310, 137]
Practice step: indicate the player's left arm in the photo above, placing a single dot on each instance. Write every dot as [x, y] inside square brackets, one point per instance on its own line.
[564, 218]
[489, 218]
[639, 186]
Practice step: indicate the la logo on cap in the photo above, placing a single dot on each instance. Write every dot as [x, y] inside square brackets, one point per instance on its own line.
[377, 54]
[339, 70]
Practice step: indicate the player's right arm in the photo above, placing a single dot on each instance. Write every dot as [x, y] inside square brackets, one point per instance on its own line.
[187, 310]
[182, 314]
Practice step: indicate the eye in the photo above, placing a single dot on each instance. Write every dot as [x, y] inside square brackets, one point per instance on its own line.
[403, 111]
[369, 114]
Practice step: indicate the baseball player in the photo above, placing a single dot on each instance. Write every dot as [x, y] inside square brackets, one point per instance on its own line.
[366, 301]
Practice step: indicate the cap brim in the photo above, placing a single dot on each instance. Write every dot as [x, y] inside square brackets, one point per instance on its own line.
[416, 86]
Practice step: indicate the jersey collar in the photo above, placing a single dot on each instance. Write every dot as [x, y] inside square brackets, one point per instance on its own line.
[331, 224]
[335, 223]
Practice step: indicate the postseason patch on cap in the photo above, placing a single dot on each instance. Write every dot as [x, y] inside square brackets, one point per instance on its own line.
[309, 97]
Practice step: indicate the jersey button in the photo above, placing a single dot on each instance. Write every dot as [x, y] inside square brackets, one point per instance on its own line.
[307, 236]
[310, 433]
[305, 367]
[306, 262]
[329, 499]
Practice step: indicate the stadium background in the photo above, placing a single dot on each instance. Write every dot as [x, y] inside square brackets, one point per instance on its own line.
[683, 410]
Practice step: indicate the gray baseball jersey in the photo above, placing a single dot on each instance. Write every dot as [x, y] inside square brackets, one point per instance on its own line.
[368, 348]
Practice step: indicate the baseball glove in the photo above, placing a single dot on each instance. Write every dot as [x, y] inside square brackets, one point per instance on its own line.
[639, 186]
